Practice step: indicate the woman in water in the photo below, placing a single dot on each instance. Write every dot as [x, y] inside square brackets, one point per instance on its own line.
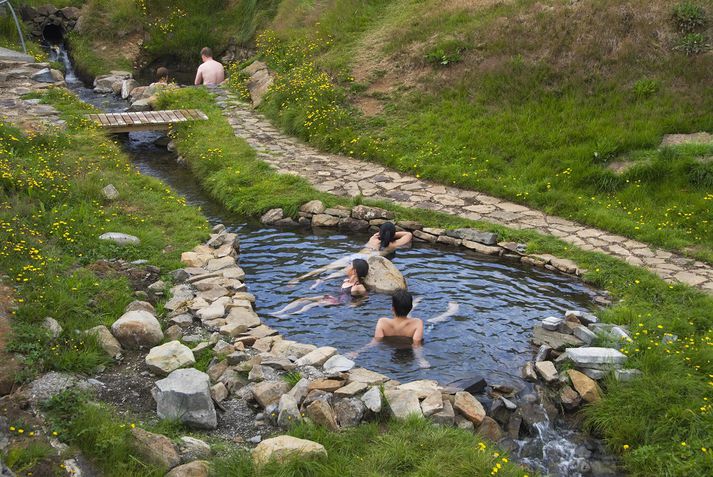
[352, 287]
[387, 239]
[383, 242]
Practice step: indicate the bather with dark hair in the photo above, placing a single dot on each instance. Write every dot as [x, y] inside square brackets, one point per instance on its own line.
[352, 287]
[387, 239]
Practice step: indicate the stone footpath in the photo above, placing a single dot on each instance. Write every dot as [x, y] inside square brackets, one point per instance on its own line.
[345, 176]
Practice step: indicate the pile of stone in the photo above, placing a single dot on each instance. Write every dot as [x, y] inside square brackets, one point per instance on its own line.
[65, 19]
[122, 83]
[362, 218]
[564, 342]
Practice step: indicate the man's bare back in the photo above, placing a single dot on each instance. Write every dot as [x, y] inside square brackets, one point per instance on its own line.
[210, 72]
[401, 327]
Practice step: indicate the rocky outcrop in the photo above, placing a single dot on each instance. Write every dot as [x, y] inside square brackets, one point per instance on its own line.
[259, 82]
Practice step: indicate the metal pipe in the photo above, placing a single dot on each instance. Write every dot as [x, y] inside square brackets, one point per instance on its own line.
[17, 24]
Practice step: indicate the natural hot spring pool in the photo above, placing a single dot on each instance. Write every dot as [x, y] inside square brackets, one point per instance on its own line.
[498, 303]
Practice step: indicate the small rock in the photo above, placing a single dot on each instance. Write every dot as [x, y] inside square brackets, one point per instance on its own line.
[570, 398]
[547, 370]
[120, 239]
[313, 207]
[366, 376]
[469, 407]
[349, 412]
[193, 449]
[185, 395]
[197, 468]
[173, 333]
[283, 448]
[269, 392]
[140, 305]
[272, 216]
[219, 392]
[324, 220]
[585, 334]
[289, 414]
[445, 417]
[363, 212]
[551, 323]
[110, 193]
[106, 340]
[350, 389]
[168, 357]
[490, 429]
[317, 357]
[592, 357]
[528, 372]
[423, 388]
[322, 414]
[403, 403]
[585, 386]
[432, 404]
[52, 326]
[626, 375]
[327, 385]
[338, 364]
[463, 423]
[372, 400]
[156, 449]
[137, 329]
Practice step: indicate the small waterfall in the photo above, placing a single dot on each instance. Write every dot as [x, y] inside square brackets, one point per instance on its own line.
[59, 54]
[553, 451]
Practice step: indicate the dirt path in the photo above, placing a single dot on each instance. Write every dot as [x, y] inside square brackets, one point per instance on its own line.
[345, 176]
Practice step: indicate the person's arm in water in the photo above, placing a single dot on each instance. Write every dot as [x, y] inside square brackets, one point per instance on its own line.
[418, 346]
[378, 336]
[342, 262]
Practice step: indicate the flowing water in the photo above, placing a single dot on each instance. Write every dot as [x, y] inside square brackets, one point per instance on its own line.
[485, 308]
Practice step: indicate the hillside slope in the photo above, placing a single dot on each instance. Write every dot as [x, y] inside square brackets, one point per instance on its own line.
[528, 100]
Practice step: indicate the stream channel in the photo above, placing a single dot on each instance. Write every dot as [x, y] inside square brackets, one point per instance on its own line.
[494, 303]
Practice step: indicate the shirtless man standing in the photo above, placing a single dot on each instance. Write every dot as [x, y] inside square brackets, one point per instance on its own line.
[210, 72]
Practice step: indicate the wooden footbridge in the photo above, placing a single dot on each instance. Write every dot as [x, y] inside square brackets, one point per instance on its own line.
[146, 121]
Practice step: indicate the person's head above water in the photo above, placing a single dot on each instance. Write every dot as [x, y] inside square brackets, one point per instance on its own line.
[361, 268]
[206, 53]
[162, 74]
[402, 303]
[387, 234]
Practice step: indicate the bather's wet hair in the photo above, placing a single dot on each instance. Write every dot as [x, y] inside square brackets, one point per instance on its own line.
[361, 267]
[387, 234]
[402, 302]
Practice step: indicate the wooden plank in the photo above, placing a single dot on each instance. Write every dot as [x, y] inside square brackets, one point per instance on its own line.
[175, 118]
[111, 120]
[193, 114]
[164, 116]
[142, 117]
[127, 119]
[135, 117]
[119, 120]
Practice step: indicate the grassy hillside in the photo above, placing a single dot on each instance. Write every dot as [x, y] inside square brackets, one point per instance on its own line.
[528, 100]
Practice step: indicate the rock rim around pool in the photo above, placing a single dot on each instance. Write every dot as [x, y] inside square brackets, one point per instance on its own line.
[185, 395]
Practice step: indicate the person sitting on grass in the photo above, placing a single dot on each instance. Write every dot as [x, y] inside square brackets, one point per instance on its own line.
[211, 72]
[400, 328]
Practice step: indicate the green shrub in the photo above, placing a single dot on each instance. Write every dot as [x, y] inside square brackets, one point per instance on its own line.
[446, 53]
[692, 44]
[645, 88]
[701, 175]
[689, 17]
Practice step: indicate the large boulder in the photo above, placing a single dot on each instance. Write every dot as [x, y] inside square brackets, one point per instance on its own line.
[137, 329]
[585, 386]
[403, 403]
[185, 395]
[469, 407]
[156, 449]
[169, 357]
[282, 448]
[383, 276]
[322, 414]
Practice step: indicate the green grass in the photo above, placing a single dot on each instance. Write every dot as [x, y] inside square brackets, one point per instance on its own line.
[99, 433]
[408, 448]
[651, 416]
[51, 214]
[21, 458]
[533, 130]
